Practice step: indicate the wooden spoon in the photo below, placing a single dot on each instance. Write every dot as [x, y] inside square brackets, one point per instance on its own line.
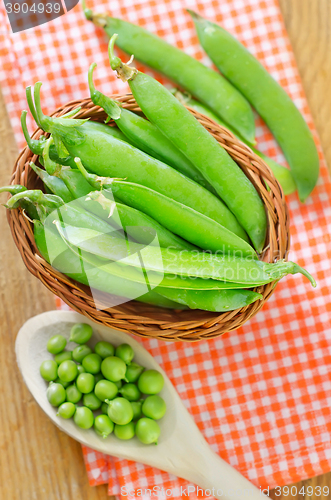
[181, 450]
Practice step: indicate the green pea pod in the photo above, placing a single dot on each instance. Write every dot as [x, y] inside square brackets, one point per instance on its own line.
[212, 300]
[145, 136]
[200, 147]
[155, 279]
[175, 216]
[181, 220]
[106, 156]
[135, 223]
[138, 225]
[202, 82]
[56, 185]
[75, 182]
[75, 268]
[183, 262]
[282, 174]
[268, 98]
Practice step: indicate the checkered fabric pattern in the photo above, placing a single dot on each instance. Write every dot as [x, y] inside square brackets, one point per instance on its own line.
[260, 395]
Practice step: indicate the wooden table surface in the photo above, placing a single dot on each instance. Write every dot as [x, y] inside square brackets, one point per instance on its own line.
[36, 460]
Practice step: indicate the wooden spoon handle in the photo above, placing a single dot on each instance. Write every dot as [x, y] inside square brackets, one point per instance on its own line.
[220, 480]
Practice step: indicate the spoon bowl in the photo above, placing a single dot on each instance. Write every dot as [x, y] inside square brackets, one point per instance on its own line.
[181, 449]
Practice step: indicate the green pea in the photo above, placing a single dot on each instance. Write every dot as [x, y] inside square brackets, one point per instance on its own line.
[59, 381]
[66, 410]
[147, 431]
[130, 392]
[104, 389]
[63, 356]
[118, 384]
[83, 417]
[154, 407]
[80, 369]
[113, 368]
[79, 353]
[151, 382]
[133, 372]
[120, 411]
[81, 333]
[92, 363]
[85, 382]
[67, 371]
[125, 352]
[125, 432]
[103, 425]
[56, 344]
[48, 370]
[136, 408]
[91, 401]
[104, 408]
[56, 394]
[104, 349]
[73, 394]
[98, 377]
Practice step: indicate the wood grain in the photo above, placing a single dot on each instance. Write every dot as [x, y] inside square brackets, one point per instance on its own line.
[36, 460]
[308, 23]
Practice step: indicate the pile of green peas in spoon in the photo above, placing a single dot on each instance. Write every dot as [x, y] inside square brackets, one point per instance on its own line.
[103, 388]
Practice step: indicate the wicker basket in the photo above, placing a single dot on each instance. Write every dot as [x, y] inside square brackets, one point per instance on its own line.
[134, 317]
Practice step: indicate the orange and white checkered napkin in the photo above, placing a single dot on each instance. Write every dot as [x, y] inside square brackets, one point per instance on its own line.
[260, 395]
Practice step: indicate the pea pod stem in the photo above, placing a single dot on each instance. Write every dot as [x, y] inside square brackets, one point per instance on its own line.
[110, 106]
[202, 149]
[36, 146]
[13, 189]
[269, 99]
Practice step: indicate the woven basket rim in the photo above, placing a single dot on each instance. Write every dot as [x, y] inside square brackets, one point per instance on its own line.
[134, 317]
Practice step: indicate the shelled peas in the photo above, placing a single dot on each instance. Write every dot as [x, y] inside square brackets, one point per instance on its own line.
[103, 388]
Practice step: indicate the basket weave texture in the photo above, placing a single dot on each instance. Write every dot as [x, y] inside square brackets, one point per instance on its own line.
[135, 317]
